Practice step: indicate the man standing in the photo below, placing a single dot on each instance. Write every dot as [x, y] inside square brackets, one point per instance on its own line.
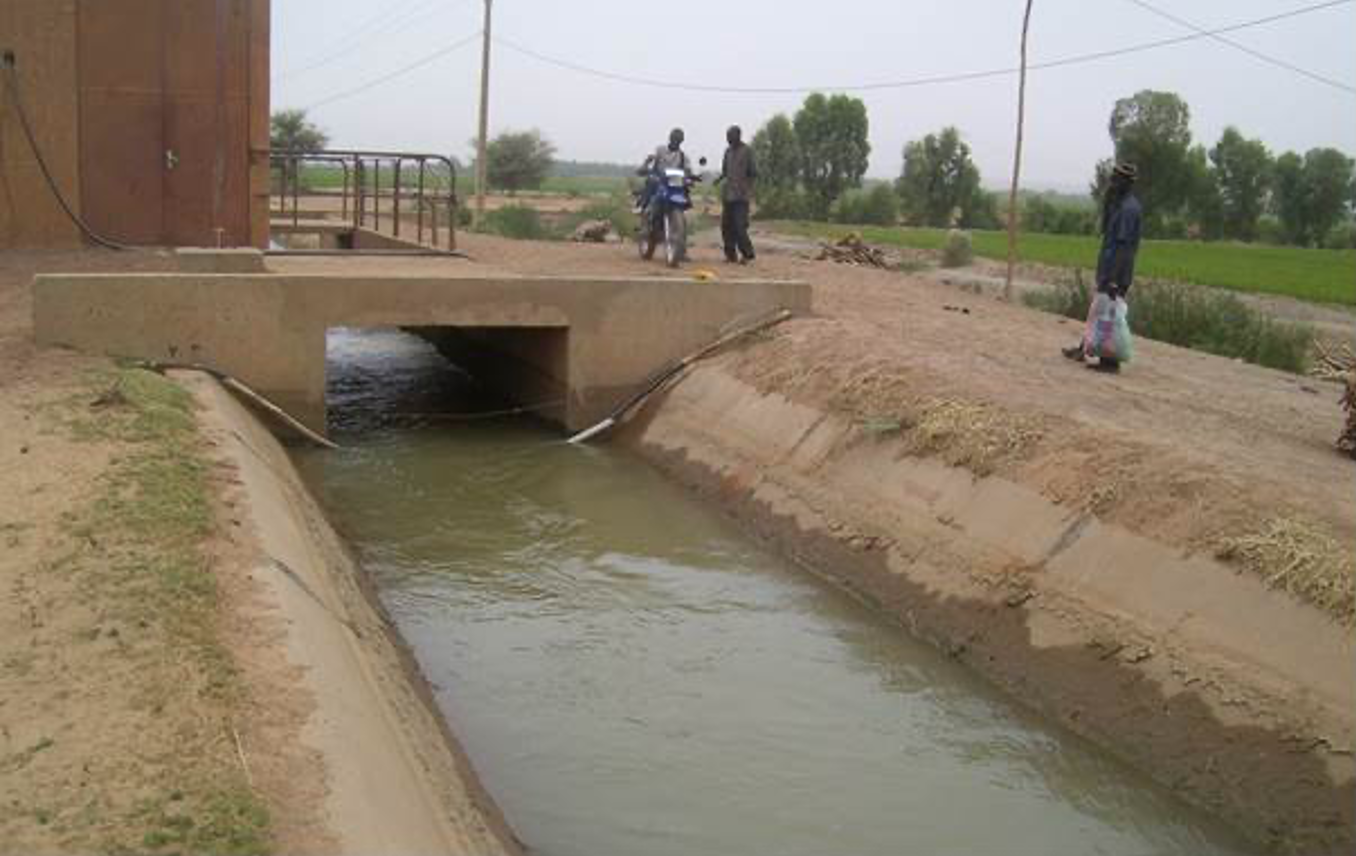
[738, 172]
[1122, 221]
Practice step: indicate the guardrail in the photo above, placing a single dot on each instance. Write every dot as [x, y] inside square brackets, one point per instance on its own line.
[418, 185]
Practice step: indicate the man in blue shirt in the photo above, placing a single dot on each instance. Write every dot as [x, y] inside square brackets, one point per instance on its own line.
[1122, 222]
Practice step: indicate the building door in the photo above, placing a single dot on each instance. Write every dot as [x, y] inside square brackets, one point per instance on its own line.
[164, 120]
[122, 152]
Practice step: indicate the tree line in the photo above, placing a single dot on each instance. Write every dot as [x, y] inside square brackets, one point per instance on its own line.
[812, 166]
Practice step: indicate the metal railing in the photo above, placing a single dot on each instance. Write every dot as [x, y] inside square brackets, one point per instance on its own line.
[417, 186]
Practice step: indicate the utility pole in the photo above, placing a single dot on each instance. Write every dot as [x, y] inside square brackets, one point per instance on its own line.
[1016, 161]
[484, 120]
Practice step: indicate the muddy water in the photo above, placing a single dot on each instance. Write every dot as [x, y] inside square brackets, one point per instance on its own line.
[631, 675]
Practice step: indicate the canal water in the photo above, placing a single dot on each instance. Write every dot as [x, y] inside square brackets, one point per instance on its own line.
[632, 676]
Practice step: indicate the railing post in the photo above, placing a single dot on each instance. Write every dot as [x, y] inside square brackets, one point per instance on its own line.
[296, 191]
[343, 200]
[420, 216]
[395, 202]
[376, 194]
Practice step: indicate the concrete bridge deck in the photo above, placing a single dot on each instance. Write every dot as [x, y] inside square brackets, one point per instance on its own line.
[586, 341]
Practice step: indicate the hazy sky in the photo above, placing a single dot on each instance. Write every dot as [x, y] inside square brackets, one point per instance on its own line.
[325, 47]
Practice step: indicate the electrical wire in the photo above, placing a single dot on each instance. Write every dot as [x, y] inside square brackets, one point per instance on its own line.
[918, 81]
[386, 78]
[1279, 63]
[12, 86]
[370, 29]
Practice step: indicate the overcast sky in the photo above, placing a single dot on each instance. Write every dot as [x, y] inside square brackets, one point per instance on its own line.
[326, 47]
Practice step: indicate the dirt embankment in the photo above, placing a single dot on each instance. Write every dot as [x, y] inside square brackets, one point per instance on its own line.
[188, 661]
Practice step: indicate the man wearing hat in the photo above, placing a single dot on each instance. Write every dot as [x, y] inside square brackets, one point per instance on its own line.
[738, 172]
[1122, 222]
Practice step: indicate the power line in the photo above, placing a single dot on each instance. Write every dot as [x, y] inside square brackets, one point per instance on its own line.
[412, 15]
[1279, 63]
[419, 63]
[918, 81]
[354, 37]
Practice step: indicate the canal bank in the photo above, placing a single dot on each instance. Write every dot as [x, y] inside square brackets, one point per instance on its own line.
[631, 674]
[1070, 615]
[394, 779]
[971, 527]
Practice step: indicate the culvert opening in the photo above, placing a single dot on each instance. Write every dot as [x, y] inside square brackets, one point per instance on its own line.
[390, 378]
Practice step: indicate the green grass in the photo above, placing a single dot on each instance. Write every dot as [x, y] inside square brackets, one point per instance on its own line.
[1319, 276]
[151, 518]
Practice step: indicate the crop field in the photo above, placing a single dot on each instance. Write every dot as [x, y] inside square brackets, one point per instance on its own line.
[1319, 276]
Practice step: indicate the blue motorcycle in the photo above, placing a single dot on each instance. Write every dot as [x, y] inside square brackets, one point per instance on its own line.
[663, 218]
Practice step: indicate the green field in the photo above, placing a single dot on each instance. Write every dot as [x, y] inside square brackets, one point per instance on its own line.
[1319, 276]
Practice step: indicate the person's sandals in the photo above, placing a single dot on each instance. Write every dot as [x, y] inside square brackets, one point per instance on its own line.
[1075, 353]
[1108, 368]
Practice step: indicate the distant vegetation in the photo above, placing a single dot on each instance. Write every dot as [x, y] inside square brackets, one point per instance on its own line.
[812, 166]
[1322, 276]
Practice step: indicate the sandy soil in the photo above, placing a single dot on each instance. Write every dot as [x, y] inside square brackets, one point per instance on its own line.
[105, 726]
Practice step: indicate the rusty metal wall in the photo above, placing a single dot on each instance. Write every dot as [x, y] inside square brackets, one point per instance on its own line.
[168, 101]
[121, 43]
[260, 111]
[42, 34]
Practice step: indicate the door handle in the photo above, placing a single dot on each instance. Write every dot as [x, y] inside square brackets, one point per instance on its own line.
[171, 159]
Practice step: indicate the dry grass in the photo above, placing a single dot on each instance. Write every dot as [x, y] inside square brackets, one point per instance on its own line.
[1300, 559]
[132, 684]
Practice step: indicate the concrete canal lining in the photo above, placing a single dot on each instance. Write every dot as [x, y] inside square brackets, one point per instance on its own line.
[593, 340]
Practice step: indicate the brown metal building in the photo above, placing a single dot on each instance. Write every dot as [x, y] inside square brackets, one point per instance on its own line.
[152, 116]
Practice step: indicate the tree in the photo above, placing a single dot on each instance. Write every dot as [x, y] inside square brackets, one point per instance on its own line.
[290, 131]
[831, 134]
[515, 161]
[1311, 194]
[940, 183]
[778, 157]
[1242, 175]
[1205, 205]
[1287, 198]
[1152, 131]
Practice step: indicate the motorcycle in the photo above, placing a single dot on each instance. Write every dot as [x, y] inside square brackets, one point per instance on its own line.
[663, 218]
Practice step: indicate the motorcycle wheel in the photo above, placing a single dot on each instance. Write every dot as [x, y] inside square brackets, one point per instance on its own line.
[675, 238]
[647, 239]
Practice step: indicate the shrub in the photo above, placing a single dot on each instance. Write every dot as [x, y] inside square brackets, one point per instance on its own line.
[957, 251]
[781, 205]
[1071, 298]
[877, 207]
[616, 209]
[1191, 316]
[1218, 323]
[1342, 237]
[515, 221]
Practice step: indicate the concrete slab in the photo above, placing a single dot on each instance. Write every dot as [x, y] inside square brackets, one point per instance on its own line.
[220, 260]
[593, 340]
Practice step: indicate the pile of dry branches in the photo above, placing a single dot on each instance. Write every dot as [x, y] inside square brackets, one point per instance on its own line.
[1347, 442]
[1333, 362]
[852, 250]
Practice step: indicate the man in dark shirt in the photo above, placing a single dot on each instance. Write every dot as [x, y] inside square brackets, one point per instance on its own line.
[1122, 222]
[737, 173]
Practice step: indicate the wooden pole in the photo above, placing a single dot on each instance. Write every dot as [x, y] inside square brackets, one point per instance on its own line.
[484, 119]
[1017, 161]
